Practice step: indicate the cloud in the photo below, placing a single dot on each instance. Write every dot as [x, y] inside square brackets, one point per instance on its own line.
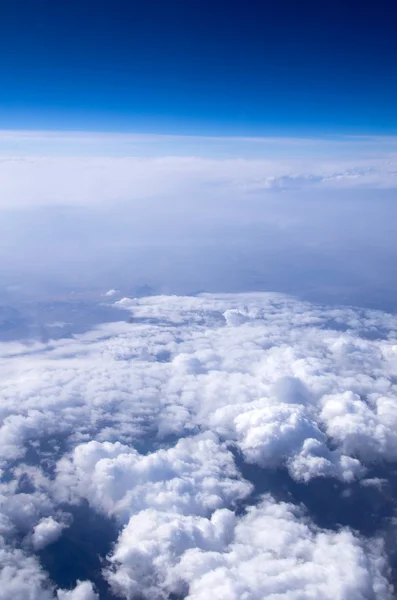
[21, 577]
[144, 420]
[83, 591]
[96, 181]
[153, 542]
[46, 532]
[196, 476]
[274, 551]
[277, 553]
[155, 424]
[289, 372]
[279, 219]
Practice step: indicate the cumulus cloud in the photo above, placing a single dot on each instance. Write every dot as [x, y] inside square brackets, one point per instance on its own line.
[196, 476]
[277, 553]
[21, 577]
[285, 374]
[153, 543]
[83, 591]
[143, 420]
[274, 551]
[46, 532]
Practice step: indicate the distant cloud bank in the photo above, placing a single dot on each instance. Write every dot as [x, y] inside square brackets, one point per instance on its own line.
[187, 214]
[93, 181]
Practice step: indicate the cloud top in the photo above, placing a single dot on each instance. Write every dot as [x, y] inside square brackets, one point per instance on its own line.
[146, 421]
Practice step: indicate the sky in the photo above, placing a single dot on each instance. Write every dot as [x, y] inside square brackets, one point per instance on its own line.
[199, 67]
[198, 300]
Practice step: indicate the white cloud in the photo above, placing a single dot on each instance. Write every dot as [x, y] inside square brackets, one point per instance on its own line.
[363, 428]
[22, 578]
[272, 552]
[46, 532]
[110, 293]
[282, 377]
[196, 476]
[83, 591]
[21, 509]
[140, 419]
[276, 553]
[153, 542]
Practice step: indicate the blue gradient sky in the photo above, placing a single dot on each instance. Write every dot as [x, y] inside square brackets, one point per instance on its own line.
[199, 67]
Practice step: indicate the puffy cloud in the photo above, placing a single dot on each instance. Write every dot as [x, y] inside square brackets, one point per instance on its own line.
[152, 544]
[275, 435]
[83, 591]
[274, 551]
[279, 383]
[196, 476]
[22, 578]
[46, 532]
[23, 509]
[363, 427]
[141, 420]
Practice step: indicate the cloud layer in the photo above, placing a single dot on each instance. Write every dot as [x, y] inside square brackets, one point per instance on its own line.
[144, 421]
[31, 182]
[282, 219]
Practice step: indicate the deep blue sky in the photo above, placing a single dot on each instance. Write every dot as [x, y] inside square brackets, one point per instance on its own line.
[199, 66]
